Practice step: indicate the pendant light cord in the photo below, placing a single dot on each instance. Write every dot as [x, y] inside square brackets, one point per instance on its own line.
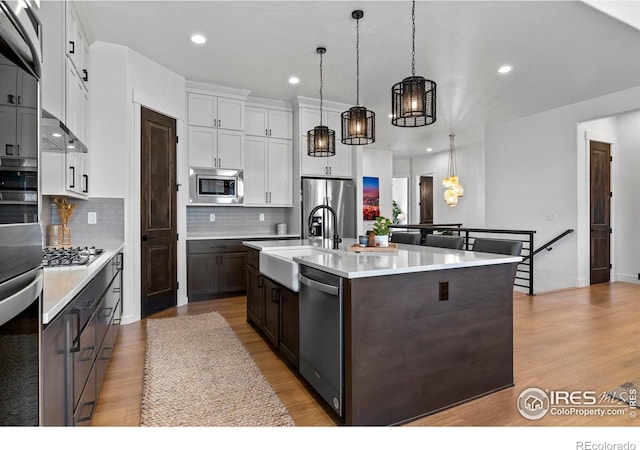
[358, 62]
[413, 51]
[321, 83]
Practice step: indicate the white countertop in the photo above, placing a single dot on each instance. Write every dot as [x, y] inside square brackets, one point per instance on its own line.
[406, 259]
[61, 285]
[242, 236]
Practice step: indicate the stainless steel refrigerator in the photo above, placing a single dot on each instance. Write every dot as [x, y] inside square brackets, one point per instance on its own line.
[339, 195]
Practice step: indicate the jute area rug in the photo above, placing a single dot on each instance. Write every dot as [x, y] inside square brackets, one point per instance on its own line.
[198, 374]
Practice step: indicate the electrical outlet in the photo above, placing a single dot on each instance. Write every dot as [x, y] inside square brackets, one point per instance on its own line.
[212, 217]
[261, 217]
[92, 218]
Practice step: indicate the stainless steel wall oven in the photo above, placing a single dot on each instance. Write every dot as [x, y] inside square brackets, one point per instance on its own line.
[20, 232]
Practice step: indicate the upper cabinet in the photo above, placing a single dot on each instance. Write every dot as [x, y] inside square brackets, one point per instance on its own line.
[268, 174]
[265, 122]
[337, 166]
[216, 112]
[216, 131]
[65, 66]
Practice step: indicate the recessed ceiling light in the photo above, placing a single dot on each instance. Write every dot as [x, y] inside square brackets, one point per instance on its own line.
[294, 80]
[71, 146]
[56, 135]
[429, 149]
[505, 69]
[198, 39]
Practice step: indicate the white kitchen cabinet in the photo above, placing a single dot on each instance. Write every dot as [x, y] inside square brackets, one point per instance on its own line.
[65, 75]
[273, 123]
[216, 148]
[268, 174]
[22, 144]
[65, 173]
[216, 112]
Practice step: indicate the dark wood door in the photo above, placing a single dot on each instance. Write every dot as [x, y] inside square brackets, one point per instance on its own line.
[600, 177]
[158, 228]
[426, 200]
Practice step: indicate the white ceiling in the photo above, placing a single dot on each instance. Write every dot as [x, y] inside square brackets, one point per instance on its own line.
[562, 52]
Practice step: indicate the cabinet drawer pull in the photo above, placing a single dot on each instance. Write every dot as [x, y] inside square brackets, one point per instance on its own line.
[87, 357]
[92, 404]
[86, 75]
[73, 47]
[76, 340]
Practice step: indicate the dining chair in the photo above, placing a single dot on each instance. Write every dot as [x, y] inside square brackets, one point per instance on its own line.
[500, 246]
[437, 240]
[406, 238]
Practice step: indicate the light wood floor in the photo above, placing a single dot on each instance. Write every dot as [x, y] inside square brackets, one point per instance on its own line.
[579, 339]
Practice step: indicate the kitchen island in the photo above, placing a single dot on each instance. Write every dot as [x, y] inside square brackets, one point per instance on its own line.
[422, 329]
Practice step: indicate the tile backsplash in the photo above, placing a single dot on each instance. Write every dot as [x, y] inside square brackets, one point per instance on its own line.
[109, 226]
[232, 221]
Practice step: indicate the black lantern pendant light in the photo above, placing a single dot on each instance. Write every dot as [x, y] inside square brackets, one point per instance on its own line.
[321, 141]
[413, 100]
[358, 124]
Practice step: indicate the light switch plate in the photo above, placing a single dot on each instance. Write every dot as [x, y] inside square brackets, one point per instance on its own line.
[261, 217]
[92, 218]
[212, 217]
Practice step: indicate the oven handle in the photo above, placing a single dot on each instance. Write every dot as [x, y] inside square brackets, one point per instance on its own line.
[15, 303]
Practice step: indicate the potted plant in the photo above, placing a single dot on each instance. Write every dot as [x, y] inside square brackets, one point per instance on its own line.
[381, 231]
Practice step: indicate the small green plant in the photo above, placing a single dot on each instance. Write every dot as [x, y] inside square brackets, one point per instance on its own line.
[381, 226]
[396, 211]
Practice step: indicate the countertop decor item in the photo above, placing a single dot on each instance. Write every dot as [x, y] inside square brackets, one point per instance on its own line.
[321, 141]
[61, 234]
[358, 123]
[413, 100]
[381, 231]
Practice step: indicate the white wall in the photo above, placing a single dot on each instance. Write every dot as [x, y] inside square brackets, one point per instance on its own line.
[533, 177]
[470, 170]
[626, 187]
[115, 126]
[376, 163]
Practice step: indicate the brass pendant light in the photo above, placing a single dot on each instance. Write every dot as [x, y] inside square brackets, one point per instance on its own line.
[451, 182]
[321, 141]
[413, 100]
[358, 124]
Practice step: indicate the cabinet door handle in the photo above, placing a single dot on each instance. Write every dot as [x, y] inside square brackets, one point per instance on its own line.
[9, 149]
[19, 100]
[219, 162]
[86, 183]
[11, 99]
[266, 132]
[219, 123]
[73, 47]
[329, 170]
[269, 132]
[274, 295]
[76, 340]
[86, 75]
[73, 177]
[266, 197]
[260, 281]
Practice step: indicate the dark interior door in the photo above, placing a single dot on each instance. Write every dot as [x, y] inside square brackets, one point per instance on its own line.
[600, 177]
[426, 200]
[158, 228]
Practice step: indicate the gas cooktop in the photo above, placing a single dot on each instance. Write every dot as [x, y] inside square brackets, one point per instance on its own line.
[69, 256]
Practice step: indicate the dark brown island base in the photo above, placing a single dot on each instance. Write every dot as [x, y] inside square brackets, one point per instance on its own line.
[422, 329]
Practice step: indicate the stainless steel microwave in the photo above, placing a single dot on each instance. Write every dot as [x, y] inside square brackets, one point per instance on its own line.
[219, 186]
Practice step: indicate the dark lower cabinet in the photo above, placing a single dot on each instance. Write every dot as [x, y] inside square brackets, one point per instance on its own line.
[271, 325]
[273, 310]
[76, 349]
[215, 268]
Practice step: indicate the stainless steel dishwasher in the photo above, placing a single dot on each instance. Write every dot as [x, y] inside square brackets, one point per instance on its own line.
[321, 334]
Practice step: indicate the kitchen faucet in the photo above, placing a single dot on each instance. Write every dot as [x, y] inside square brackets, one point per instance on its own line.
[336, 238]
